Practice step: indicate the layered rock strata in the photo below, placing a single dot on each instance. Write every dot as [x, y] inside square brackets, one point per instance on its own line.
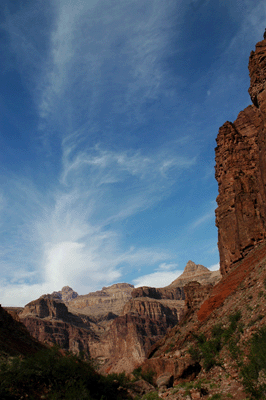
[241, 172]
[117, 343]
[110, 299]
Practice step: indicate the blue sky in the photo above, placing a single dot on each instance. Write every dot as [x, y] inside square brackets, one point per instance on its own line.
[109, 114]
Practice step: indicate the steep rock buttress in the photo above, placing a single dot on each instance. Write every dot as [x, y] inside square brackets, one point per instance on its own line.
[241, 171]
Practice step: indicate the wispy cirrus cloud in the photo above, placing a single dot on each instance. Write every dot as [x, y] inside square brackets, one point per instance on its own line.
[106, 58]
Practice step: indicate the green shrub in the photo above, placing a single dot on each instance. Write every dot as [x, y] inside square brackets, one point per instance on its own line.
[216, 396]
[151, 396]
[208, 350]
[254, 372]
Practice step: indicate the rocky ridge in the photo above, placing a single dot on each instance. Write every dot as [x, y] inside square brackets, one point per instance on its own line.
[14, 337]
[117, 337]
[110, 299]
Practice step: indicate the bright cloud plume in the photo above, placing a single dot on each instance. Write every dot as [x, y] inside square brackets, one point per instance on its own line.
[70, 240]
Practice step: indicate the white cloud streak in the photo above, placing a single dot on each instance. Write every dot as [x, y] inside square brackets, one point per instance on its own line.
[65, 237]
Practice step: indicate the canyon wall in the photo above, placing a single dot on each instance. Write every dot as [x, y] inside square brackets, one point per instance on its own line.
[241, 172]
[117, 325]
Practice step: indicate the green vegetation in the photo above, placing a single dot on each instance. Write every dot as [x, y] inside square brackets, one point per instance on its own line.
[147, 376]
[216, 396]
[151, 396]
[254, 372]
[49, 375]
[208, 349]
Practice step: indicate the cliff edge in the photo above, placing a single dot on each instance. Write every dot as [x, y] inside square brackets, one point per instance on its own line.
[241, 172]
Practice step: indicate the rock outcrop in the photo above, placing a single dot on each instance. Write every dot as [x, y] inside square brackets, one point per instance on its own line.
[118, 324]
[66, 294]
[45, 307]
[14, 337]
[197, 273]
[110, 299]
[241, 172]
[175, 293]
[195, 295]
[49, 321]
[144, 321]
[149, 315]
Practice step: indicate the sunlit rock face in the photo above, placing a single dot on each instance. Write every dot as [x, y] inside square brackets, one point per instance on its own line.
[197, 273]
[241, 172]
[44, 307]
[116, 325]
[110, 299]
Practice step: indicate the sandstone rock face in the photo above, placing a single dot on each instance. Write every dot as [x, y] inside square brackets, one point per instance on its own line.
[45, 306]
[197, 273]
[125, 345]
[49, 321]
[110, 299]
[117, 343]
[196, 294]
[68, 336]
[241, 172]
[143, 322]
[175, 293]
[165, 311]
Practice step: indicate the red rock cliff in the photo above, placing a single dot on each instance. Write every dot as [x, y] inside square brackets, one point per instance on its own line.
[241, 172]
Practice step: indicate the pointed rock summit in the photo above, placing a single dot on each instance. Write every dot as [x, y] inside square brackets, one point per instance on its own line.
[197, 273]
[66, 294]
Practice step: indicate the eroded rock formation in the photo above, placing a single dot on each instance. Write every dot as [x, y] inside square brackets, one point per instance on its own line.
[241, 172]
[196, 273]
[66, 294]
[49, 321]
[175, 293]
[90, 324]
[110, 299]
